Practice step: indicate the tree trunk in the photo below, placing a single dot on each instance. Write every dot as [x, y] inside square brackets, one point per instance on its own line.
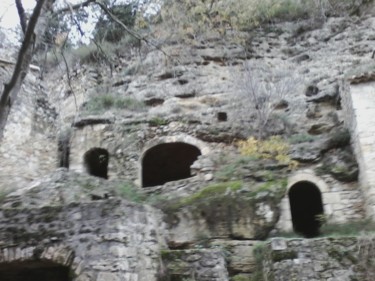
[35, 29]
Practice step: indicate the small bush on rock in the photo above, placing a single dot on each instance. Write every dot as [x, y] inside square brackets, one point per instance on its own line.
[102, 103]
[275, 148]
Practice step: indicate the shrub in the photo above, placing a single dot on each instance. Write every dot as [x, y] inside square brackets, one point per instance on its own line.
[130, 192]
[260, 88]
[275, 148]
[158, 121]
[353, 228]
[108, 30]
[102, 103]
[231, 169]
[301, 138]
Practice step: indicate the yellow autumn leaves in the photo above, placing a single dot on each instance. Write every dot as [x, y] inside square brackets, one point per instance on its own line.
[274, 148]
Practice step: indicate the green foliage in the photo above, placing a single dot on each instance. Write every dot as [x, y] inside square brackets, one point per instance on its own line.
[194, 18]
[259, 253]
[239, 277]
[101, 103]
[273, 185]
[3, 195]
[275, 148]
[233, 169]
[57, 24]
[301, 138]
[108, 30]
[106, 52]
[130, 192]
[353, 228]
[95, 53]
[158, 121]
[212, 191]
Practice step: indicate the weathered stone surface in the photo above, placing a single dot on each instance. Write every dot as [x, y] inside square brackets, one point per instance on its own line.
[108, 239]
[241, 214]
[320, 259]
[118, 241]
[240, 256]
[208, 265]
[341, 165]
[306, 152]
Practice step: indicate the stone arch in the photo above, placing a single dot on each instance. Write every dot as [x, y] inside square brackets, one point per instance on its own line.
[169, 159]
[308, 175]
[36, 264]
[96, 162]
[306, 205]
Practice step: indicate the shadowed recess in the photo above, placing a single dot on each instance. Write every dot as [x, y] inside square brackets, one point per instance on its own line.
[33, 271]
[96, 162]
[168, 162]
[306, 207]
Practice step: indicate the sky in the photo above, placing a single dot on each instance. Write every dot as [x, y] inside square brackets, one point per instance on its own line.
[9, 20]
[8, 12]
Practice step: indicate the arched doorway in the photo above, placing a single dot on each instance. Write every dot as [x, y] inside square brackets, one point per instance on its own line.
[96, 162]
[168, 162]
[306, 206]
[34, 271]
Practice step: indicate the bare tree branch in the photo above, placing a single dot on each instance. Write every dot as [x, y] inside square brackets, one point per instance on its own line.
[71, 8]
[22, 15]
[75, 7]
[25, 54]
[128, 30]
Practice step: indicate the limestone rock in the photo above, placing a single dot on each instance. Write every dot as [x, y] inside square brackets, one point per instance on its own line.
[341, 164]
[306, 152]
[320, 128]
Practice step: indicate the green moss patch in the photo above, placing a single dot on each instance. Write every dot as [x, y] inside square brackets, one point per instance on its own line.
[278, 256]
[212, 191]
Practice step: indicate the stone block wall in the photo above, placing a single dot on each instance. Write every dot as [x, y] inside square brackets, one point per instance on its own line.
[331, 259]
[126, 143]
[99, 241]
[342, 202]
[196, 264]
[359, 105]
[28, 149]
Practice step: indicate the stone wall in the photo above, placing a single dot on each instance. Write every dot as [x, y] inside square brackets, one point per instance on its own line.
[126, 144]
[342, 202]
[196, 264]
[331, 259]
[99, 241]
[28, 149]
[359, 105]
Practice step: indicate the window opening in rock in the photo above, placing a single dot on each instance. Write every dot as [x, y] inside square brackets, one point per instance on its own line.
[96, 162]
[168, 162]
[306, 207]
[222, 116]
[34, 271]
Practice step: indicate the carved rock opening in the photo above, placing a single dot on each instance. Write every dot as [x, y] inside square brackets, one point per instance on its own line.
[168, 162]
[96, 162]
[222, 116]
[34, 271]
[306, 207]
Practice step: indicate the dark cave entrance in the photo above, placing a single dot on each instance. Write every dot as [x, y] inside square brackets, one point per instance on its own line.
[306, 206]
[34, 271]
[168, 162]
[96, 162]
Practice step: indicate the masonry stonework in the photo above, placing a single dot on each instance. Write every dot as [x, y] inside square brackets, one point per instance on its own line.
[103, 240]
[28, 148]
[359, 105]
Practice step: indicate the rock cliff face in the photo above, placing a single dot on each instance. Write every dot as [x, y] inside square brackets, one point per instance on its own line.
[162, 131]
